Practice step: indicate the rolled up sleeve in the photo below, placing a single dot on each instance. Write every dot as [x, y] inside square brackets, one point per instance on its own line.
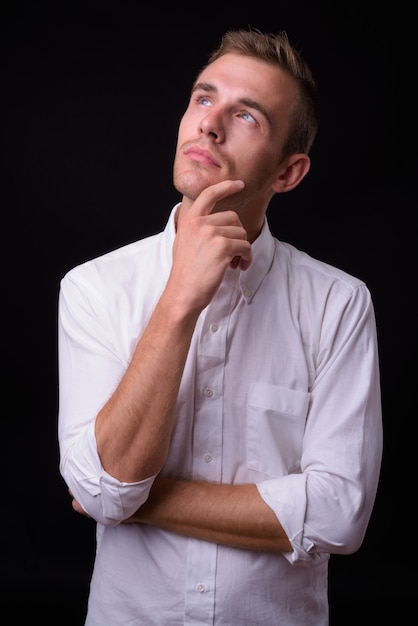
[326, 507]
[90, 366]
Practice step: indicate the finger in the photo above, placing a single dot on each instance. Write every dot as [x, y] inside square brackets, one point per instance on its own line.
[244, 263]
[243, 260]
[235, 262]
[78, 508]
[208, 198]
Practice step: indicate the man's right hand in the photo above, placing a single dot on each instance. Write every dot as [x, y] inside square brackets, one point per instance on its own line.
[133, 429]
[206, 244]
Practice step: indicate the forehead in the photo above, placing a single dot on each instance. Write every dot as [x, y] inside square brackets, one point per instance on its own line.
[241, 76]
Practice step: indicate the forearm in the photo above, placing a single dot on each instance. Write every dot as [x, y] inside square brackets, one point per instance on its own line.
[233, 515]
[133, 429]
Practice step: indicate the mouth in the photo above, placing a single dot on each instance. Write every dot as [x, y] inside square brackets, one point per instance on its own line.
[196, 153]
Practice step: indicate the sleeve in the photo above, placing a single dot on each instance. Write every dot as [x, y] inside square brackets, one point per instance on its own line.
[326, 507]
[89, 368]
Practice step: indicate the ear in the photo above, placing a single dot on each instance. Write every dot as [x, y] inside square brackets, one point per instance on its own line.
[293, 169]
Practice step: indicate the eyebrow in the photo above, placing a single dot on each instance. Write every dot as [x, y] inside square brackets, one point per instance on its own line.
[248, 102]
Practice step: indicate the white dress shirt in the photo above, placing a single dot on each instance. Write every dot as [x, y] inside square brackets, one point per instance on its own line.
[280, 388]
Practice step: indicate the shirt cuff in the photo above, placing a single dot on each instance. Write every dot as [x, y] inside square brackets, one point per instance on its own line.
[103, 497]
[287, 497]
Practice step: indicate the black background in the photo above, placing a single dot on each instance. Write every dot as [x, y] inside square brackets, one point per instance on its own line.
[92, 96]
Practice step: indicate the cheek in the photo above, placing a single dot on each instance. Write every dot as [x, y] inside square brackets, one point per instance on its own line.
[258, 175]
[266, 164]
[180, 132]
[187, 128]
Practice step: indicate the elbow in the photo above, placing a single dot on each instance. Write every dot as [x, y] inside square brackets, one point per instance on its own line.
[105, 499]
[341, 531]
[347, 534]
[101, 509]
[341, 525]
[349, 544]
[93, 505]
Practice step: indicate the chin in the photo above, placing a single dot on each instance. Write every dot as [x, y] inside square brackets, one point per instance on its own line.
[190, 184]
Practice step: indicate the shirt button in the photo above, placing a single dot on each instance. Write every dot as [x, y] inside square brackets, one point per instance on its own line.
[208, 392]
[207, 458]
[214, 327]
[247, 293]
[200, 588]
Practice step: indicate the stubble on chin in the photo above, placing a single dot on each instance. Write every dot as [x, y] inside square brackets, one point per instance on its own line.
[190, 183]
[192, 179]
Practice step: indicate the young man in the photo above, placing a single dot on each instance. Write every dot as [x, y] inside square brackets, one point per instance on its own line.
[220, 412]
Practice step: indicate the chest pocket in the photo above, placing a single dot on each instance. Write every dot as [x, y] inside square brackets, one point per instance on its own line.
[276, 422]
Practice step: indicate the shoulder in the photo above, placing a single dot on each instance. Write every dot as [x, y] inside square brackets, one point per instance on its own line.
[308, 268]
[112, 261]
[130, 262]
[320, 288]
[120, 272]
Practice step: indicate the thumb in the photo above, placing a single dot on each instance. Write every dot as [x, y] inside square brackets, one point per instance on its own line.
[207, 199]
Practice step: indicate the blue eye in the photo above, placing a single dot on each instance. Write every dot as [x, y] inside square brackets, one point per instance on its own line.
[247, 116]
[205, 101]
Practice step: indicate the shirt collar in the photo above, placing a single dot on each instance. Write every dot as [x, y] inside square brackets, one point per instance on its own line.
[263, 253]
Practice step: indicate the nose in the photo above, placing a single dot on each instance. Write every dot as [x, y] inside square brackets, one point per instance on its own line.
[212, 127]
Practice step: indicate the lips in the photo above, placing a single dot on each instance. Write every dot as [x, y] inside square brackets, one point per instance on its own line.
[196, 153]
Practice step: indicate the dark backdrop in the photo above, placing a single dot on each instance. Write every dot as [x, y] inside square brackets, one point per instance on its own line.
[92, 95]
